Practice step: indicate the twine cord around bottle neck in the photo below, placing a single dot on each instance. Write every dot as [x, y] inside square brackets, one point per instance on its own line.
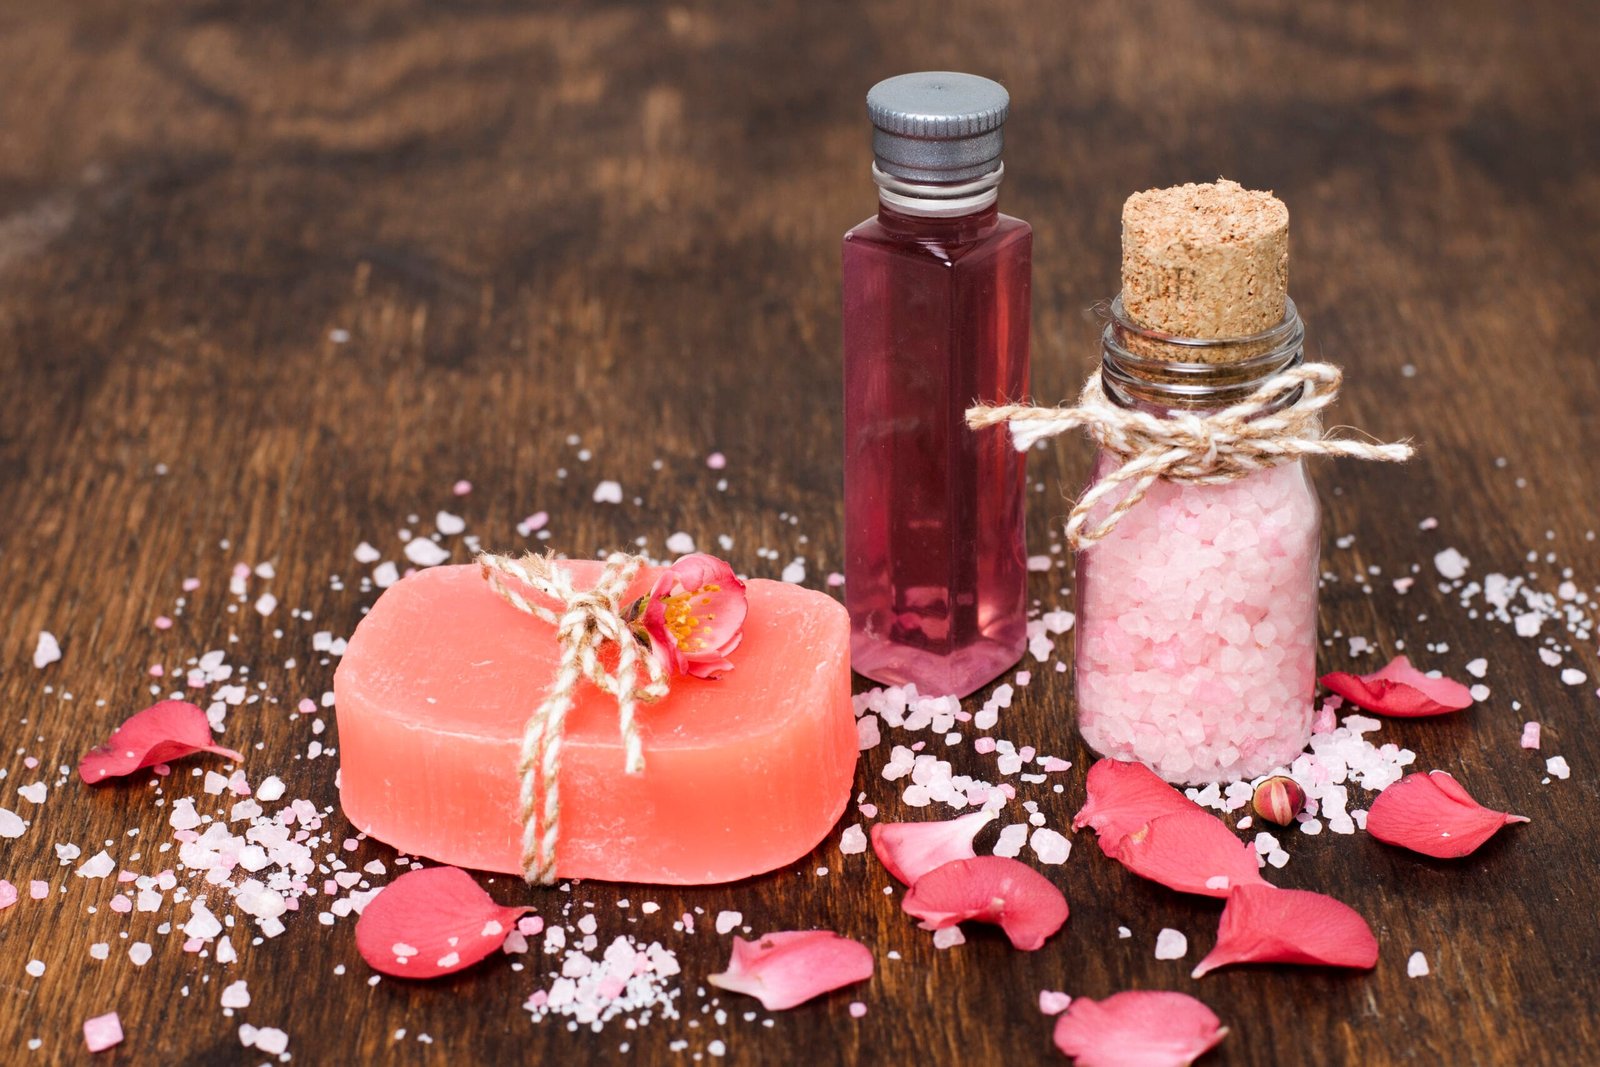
[1195, 448]
[588, 621]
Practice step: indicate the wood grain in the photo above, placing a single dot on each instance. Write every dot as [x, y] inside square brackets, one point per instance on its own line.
[620, 221]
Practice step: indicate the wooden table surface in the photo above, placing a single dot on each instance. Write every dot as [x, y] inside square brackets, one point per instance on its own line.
[273, 277]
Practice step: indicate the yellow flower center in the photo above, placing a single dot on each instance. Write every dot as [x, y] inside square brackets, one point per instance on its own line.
[683, 622]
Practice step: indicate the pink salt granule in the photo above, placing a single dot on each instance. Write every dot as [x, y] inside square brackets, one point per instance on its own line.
[102, 1032]
[1198, 628]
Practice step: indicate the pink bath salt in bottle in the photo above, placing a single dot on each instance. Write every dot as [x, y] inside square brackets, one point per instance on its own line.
[1197, 614]
[936, 310]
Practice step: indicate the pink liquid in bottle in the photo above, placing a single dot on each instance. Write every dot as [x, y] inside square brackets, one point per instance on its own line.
[936, 312]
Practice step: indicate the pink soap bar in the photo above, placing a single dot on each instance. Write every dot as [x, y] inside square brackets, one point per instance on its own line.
[743, 774]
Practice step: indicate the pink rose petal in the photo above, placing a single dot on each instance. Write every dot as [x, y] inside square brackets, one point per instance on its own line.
[1190, 851]
[1431, 814]
[1401, 690]
[102, 1032]
[160, 733]
[911, 849]
[432, 922]
[790, 967]
[992, 889]
[1122, 797]
[1143, 1028]
[1261, 924]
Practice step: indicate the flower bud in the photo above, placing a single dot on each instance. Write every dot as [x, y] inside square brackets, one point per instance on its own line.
[1278, 800]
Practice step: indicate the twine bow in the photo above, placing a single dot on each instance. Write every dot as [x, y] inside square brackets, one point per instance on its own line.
[589, 620]
[1196, 448]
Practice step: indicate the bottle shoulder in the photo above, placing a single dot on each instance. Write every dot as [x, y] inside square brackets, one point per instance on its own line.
[938, 242]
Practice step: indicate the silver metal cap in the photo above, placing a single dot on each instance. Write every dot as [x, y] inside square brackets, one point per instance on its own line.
[937, 125]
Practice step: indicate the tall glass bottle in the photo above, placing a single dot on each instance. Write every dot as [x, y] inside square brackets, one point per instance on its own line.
[936, 315]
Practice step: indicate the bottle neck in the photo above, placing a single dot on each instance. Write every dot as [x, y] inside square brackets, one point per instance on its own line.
[1158, 373]
[939, 200]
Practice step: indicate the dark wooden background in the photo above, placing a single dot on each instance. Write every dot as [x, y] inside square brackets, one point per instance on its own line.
[621, 221]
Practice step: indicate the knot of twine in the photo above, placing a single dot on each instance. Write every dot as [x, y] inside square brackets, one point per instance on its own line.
[588, 621]
[1258, 432]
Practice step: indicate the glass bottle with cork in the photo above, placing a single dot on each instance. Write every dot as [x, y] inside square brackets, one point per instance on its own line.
[936, 315]
[1197, 610]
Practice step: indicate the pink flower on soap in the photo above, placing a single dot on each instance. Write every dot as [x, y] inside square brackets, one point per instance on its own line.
[694, 616]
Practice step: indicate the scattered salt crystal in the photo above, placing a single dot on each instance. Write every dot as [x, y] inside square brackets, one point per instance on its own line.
[11, 824]
[680, 544]
[271, 1040]
[1417, 965]
[139, 953]
[102, 1032]
[425, 553]
[365, 553]
[853, 841]
[857, 1009]
[727, 920]
[449, 524]
[97, 866]
[1479, 692]
[1053, 1002]
[1171, 944]
[100, 950]
[1050, 846]
[1530, 735]
[794, 572]
[867, 732]
[236, 995]
[949, 937]
[1528, 625]
[1557, 767]
[1123, 933]
[716, 461]
[385, 574]
[1278, 858]
[34, 791]
[47, 650]
[1450, 563]
[1573, 676]
[608, 492]
[35, 968]
[1012, 838]
[266, 604]
[270, 789]
[1038, 563]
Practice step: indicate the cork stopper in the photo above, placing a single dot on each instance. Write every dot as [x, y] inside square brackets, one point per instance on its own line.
[1208, 262]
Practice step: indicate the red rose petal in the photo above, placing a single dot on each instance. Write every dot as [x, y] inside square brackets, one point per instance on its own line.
[1265, 925]
[1431, 814]
[1143, 1028]
[1188, 849]
[160, 733]
[1122, 797]
[791, 966]
[432, 922]
[911, 849]
[1400, 690]
[992, 889]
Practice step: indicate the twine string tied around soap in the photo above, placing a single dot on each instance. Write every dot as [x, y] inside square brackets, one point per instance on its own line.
[1279, 422]
[588, 620]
